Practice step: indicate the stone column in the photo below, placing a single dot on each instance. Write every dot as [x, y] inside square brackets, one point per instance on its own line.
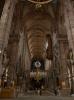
[64, 67]
[69, 22]
[5, 24]
[56, 62]
[13, 52]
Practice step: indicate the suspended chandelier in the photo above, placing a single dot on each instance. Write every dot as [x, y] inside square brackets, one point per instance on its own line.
[40, 1]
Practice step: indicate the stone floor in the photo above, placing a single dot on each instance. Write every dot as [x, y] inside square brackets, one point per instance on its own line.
[41, 98]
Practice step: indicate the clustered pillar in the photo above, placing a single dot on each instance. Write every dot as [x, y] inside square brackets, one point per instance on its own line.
[69, 22]
[5, 25]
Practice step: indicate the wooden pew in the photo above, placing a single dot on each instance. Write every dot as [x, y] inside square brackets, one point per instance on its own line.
[7, 92]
